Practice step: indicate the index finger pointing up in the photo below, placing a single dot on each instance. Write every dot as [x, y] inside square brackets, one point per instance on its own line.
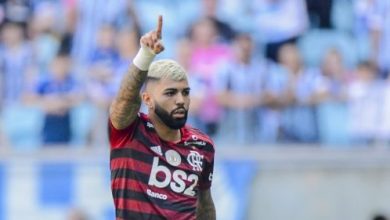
[159, 26]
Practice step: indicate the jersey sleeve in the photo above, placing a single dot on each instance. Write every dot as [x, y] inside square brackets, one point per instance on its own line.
[207, 173]
[118, 137]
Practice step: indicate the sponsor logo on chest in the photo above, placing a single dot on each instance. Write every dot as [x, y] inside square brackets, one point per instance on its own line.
[177, 180]
[195, 141]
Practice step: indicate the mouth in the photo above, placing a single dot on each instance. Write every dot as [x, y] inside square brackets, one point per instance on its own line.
[179, 113]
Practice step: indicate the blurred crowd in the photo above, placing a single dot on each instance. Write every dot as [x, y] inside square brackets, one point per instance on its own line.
[261, 71]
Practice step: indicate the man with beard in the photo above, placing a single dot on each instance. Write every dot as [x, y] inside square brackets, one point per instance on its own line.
[160, 167]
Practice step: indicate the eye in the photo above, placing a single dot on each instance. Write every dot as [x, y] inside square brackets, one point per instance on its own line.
[186, 92]
[170, 93]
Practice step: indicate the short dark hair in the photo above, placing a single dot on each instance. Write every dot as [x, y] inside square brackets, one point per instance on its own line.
[379, 217]
[366, 64]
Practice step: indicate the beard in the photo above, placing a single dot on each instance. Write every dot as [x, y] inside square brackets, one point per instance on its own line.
[168, 119]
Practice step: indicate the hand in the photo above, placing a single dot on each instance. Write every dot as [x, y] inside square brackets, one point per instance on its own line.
[152, 39]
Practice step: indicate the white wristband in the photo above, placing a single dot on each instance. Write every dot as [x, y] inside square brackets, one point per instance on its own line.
[144, 58]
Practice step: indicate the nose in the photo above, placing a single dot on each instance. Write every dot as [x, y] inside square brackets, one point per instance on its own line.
[180, 99]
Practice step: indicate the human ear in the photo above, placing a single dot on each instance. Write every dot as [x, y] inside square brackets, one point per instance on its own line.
[147, 100]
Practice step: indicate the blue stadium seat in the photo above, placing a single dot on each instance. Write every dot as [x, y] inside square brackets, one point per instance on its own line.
[22, 125]
[343, 15]
[81, 117]
[363, 47]
[315, 43]
[2, 193]
[109, 213]
[333, 126]
[56, 184]
[240, 174]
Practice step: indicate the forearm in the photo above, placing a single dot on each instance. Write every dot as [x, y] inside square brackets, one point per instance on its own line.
[126, 105]
[206, 208]
[206, 213]
[73, 99]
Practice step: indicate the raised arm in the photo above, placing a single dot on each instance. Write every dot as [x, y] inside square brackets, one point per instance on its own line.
[126, 104]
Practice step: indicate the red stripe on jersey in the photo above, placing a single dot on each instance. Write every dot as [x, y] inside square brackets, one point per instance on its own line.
[147, 208]
[163, 199]
[138, 166]
[118, 137]
[136, 206]
[124, 183]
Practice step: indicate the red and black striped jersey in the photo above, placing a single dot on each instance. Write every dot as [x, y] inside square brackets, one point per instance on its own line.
[156, 179]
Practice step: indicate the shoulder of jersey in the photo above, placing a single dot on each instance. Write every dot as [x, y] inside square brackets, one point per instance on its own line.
[144, 118]
[197, 136]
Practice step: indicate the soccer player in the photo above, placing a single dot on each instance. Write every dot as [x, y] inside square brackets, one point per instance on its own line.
[160, 167]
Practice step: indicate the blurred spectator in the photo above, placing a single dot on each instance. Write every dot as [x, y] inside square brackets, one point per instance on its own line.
[334, 77]
[69, 15]
[90, 16]
[299, 122]
[101, 86]
[279, 22]
[362, 11]
[2, 11]
[320, 13]
[126, 45]
[103, 51]
[3, 139]
[235, 13]
[76, 214]
[277, 95]
[15, 62]
[373, 16]
[57, 93]
[239, 90]
[209, 9]
[364, 96]
[184, 52]
[207, 55]
[104, 57]
[17, 11]
[198, 87]
[44, 39]
[384, 115]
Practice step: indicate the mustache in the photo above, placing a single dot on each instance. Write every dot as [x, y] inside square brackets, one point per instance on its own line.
[178, 109]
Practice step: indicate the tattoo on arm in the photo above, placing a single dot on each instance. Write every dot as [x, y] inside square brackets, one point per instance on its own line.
[125, 107]
[206, 208]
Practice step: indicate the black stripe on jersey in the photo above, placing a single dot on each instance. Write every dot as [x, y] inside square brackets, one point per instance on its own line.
[129, 174]
[165, 204]
[142, 138]
[131, 153]
[207, 164]
[209, 147]
[127, 214]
